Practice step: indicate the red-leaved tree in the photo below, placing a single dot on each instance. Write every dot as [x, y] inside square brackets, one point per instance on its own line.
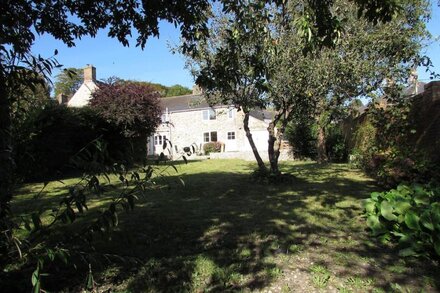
[133, 107]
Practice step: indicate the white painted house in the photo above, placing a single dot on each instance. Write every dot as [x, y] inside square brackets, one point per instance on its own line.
[189, 120]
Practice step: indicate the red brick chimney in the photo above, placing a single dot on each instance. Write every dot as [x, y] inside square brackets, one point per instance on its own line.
[89, 73]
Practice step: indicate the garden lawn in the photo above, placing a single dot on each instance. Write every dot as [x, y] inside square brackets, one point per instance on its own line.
[224, 231]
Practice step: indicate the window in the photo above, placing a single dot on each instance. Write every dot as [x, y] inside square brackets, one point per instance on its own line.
[159, 139]
[209, 114]
[210, 136]
[164, 118]
[231, 135]
[206, 137]
[213, 135]
[231, 113]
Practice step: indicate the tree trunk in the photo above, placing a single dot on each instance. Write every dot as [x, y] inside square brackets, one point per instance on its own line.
[275, 139]
[320, 147]
[260, 162]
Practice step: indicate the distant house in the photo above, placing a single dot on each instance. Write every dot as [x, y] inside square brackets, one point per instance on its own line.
[189, 121]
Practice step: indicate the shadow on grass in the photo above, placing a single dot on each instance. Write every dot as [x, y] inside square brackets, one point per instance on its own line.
[225, 232]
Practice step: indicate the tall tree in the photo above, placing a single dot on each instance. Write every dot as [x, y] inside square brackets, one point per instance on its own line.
[256, 58]
[68, 81]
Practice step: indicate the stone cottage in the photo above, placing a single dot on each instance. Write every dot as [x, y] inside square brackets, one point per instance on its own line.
[189, 120]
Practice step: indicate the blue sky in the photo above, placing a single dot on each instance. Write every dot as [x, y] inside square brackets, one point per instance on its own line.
[156, 63]
[433, 50]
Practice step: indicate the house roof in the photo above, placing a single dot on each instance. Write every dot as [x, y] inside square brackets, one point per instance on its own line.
[83, 94]
[183, 103]
[194, 102]
[262, 114]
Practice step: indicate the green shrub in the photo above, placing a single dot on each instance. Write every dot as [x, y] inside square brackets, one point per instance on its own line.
[337, 150]
[408, 215]
[212, 147]
[48, 139]
[302, 136]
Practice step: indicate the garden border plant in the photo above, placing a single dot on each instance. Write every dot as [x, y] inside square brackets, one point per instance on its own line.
[409, 216]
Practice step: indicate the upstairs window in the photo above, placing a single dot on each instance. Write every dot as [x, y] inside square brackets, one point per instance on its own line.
[231, 135]
[231, 113]
[209, 114]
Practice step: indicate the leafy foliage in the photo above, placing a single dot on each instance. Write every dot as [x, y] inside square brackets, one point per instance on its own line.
[177, 90]
[68, 81]
[336, 144]
[212, 147]
[302, 136]
[255, 49]
[163, 90]
[408, 215]
[133, 107]
[383, 144]
[47, 140]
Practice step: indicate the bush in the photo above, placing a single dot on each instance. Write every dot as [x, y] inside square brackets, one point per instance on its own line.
[337, 150]
[50, 137]
[302, 136]
[132, 107]
[212, 147]
[408, 215]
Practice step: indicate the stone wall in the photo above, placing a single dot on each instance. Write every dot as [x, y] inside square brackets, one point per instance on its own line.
[426, 113]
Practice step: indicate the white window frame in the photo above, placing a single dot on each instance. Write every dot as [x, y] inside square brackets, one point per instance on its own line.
[231, 113]
[209, 114]
[159, 139]
[206, 137]
[231, 135]
[209, 136]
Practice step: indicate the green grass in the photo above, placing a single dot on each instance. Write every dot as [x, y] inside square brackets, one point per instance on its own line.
[225, 232]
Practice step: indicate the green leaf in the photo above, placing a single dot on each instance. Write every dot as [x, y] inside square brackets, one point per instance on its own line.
[404, 190]
[402, 206]
[426, 220]
[412, 220]
[90, 284]
[50, 254]
[421, 195]
[181, 181]
[62, 255]
[435, 214]
[35, 276]
[409, 251]
[375, 195]
[422, 198]
[386, 210]
[375, 225]
[369, 206]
